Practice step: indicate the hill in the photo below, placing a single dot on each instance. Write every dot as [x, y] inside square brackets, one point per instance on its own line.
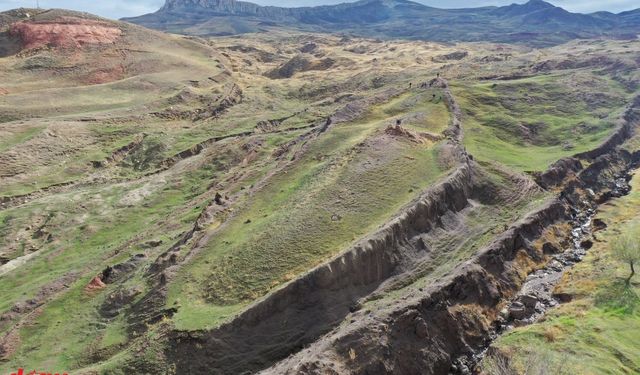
[533, 23]
[298, 202]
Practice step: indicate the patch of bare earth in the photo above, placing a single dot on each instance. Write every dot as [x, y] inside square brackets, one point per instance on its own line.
[68, 32]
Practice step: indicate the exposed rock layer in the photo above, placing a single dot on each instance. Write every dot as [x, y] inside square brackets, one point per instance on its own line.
[68, 32]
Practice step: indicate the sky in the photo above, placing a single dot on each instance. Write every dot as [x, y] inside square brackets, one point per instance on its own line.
[128, 8]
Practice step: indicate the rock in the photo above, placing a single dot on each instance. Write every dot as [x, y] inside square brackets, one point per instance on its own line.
[70, 32]
[587, 244]
[520, 323]
[563, 297]
[549, 248]
[598, 224]
[517, 311]
[529, 300]
[95, 284]
[218, 199]
[421, 328]
[504, 313]
[151, 244]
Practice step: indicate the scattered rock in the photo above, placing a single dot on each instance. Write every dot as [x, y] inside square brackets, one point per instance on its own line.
[517, 311]
[112, 274]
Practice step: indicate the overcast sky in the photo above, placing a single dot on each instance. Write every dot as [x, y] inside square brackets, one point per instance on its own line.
[125, 8]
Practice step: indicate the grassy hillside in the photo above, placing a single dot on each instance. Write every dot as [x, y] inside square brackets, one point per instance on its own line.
[181, 180]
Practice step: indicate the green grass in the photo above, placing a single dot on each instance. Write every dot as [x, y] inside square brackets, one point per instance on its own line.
[530, 123]
[477, 227]
[596, 333]
[349, 182]
[69, 327]
[19, 137]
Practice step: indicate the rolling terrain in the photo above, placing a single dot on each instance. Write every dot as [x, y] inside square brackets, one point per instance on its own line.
[295, 202]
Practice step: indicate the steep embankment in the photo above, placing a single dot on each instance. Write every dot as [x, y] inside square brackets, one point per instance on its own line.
[258, 336]
[250, 341]
[594, 292]
[426, 332]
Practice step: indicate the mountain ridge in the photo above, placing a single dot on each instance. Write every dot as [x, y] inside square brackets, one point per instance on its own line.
[535, 23]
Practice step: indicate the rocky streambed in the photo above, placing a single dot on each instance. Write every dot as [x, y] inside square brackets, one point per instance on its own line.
[537, 294]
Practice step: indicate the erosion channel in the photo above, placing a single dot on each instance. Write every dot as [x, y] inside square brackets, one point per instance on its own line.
[444, 313]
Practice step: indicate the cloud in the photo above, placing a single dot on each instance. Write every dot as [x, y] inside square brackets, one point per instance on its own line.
[127, 8]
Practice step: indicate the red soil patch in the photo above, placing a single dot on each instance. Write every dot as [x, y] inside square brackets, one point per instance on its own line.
[67, 32]
[95, 284]
[3, 91]
[106, 75]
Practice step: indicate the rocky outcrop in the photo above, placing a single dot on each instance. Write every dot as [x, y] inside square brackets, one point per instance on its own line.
[425, 333]
[558, 172]
[68, 32]
[299, 63]
[219, 6]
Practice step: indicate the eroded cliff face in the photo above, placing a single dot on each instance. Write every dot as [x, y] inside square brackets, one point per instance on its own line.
[303, 310]
[221, 6]
[67, 32]
[363, 313]
[425, 332]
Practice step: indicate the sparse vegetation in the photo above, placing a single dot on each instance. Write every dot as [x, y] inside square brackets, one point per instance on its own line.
[230, 167]
[595, 333]
[534, 362]
[626, 248]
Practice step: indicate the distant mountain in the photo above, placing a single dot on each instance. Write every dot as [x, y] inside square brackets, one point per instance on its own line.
[536, 22]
